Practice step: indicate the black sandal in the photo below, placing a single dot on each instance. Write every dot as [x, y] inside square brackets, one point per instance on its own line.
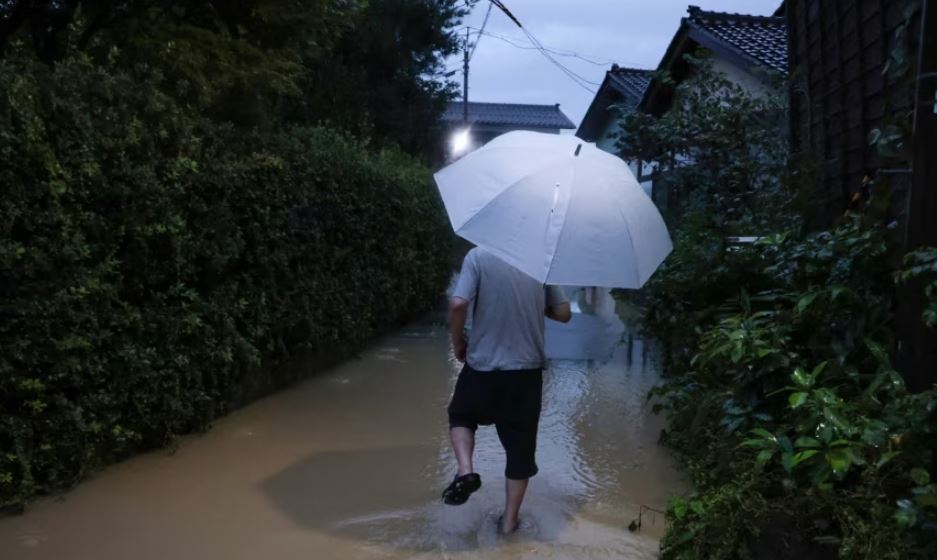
[461, 488]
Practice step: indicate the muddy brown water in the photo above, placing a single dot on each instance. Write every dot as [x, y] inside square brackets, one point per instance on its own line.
[350, 464]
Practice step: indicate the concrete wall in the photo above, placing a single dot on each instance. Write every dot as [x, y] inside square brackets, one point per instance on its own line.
[485, 133]
[752, 84]
[479, 135]
[605, 141]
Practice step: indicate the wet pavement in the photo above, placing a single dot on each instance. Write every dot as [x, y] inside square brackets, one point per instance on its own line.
[350, 464]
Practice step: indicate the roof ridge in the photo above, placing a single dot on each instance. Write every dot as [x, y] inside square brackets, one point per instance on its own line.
[695, 12]
[513, 114]
[555, 105]
[617, 68]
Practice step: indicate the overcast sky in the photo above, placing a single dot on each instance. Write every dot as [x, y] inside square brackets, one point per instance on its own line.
[632, 33]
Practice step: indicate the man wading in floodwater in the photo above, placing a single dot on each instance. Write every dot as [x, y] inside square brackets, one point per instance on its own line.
[501, 380]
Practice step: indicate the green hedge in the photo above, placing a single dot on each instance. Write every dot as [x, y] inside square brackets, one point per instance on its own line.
[782, 401]
[155, 265]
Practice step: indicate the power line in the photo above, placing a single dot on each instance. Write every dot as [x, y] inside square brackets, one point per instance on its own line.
[537, 45]
[591, 59]
[480, 31]
[506, 11]
[546, 51]
[579, 80]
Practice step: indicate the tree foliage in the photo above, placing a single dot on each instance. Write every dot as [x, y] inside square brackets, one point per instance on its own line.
[173, 225]
[781, 397]
[720, 146]
[386, 73]
[371, 68]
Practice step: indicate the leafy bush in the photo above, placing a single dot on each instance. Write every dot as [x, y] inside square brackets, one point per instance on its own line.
[923, 264]
[791, 390]
[719, 147]
[154, 265]
[800, 437]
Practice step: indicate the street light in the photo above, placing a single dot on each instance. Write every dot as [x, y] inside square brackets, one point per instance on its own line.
[460, 142]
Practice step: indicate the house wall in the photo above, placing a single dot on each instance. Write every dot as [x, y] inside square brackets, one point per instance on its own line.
[482, 134]
[606, 141]
[839, 93]
[748, 79]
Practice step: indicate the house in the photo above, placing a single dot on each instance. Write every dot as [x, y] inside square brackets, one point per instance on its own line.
[858, 67]
[751, 51]
[619, 94]
[489, 120]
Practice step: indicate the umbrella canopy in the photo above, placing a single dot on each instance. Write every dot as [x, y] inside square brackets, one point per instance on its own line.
[557, 208]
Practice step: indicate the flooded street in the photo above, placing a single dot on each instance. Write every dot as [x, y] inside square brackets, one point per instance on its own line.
[350, 464]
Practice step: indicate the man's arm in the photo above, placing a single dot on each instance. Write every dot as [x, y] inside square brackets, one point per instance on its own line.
[458, 312]
[557, 305]
[562, 312]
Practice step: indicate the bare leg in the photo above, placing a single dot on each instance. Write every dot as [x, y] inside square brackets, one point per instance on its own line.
[463, 444]
[513, 496]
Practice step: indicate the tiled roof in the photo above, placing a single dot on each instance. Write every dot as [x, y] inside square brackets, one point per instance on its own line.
[509, 114]
[620, 92]
[760, 38]
[631, 83]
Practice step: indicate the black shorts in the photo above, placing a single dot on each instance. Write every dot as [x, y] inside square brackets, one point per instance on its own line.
[511, 401]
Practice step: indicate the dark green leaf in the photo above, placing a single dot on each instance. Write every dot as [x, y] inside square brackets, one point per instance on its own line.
[906, 516]
[697, 507]
[805, 441]
[787, 461]
[801, 379]
[886, 458]
[764, 456]
[920, 476]
[796, 400]
[764, 433]
[806, 301]
[839, 460]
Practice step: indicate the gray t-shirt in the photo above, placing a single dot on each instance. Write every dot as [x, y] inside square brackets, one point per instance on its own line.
[507, 309]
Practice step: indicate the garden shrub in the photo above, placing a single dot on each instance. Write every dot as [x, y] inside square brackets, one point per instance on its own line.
[801, 439]
[155, 265]
[791, 389]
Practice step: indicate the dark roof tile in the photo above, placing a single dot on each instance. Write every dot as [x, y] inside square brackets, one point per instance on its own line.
[509, 114]
[630, 82]
[760, 38]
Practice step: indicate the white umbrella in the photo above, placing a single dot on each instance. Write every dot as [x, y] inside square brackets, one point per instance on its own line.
[557, 208]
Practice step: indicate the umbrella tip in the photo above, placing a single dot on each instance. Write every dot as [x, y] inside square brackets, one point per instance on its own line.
[578, 149]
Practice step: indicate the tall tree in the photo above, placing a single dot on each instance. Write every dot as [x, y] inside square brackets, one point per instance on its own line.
[385, 77]
[206, 49]
[371, 67]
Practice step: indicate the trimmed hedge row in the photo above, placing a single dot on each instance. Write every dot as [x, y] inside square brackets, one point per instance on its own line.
[153, 264]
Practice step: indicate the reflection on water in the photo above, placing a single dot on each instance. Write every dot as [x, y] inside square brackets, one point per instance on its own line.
[350, 464]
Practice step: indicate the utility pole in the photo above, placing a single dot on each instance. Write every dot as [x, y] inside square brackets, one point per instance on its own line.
[467, 54]
[465, 73]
